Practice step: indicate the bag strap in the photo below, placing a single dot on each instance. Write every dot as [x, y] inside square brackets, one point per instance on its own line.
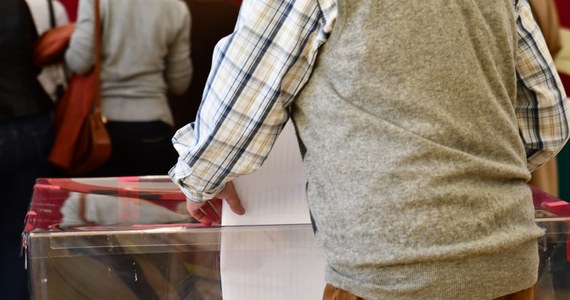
[97, 66]
[51, 14]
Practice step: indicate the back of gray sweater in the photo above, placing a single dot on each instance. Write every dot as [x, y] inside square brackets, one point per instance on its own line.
[416, 169]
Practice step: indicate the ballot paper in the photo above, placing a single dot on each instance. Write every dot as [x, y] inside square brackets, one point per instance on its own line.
[279, 260]
[276, 192]
[275, 262]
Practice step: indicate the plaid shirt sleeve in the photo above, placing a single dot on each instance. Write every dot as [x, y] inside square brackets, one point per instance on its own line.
[541, 109]
[256, 72]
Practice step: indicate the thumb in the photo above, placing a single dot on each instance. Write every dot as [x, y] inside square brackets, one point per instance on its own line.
[229, 194]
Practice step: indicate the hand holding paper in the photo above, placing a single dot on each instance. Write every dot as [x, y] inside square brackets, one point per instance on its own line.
[209, 212]
[276, 192]
[272, 262]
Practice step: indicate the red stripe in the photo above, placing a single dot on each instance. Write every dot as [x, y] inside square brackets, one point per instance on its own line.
[71, 7]
[563, 7]
[565, 82]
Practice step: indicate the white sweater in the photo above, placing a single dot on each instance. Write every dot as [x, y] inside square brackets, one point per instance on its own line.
[145, 54]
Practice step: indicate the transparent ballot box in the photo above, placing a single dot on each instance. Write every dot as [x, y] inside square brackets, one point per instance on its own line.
[553, 215]
[131, 238]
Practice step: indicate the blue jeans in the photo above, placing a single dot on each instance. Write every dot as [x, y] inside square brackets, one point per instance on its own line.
[24, 146]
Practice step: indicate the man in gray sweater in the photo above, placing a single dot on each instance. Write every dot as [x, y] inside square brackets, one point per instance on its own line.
[420, 124]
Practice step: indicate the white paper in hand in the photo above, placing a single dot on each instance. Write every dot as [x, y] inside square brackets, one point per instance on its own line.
[276, 192]
[272, 262]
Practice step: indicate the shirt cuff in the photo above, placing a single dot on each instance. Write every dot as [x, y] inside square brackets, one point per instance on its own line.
[188, 189]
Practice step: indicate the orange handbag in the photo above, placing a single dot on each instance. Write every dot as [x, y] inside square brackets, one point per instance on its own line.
[82, 143]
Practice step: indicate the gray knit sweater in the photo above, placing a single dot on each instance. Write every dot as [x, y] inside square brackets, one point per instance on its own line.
[416, 169]
[146, 53]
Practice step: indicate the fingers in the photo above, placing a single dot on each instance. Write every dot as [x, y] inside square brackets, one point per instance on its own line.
[216, 206]
[202, 212]
[230, 195]
[199, 216]
[209, 212]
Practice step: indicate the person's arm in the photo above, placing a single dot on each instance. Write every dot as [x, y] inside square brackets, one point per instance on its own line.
[546, 16]
[80, 57]
[178, 72]
[542, 109]
[257, 71]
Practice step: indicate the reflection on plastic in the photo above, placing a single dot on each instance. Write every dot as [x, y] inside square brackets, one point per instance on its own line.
[553, 215]
[117, 256]
[100, 210]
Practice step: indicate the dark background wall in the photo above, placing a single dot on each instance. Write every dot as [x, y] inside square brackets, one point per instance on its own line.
[211, 21]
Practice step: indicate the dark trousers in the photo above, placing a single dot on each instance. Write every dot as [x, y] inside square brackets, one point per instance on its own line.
[139, 148]
[24, 146]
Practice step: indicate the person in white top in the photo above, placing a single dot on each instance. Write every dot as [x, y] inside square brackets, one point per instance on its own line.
[145, 55]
